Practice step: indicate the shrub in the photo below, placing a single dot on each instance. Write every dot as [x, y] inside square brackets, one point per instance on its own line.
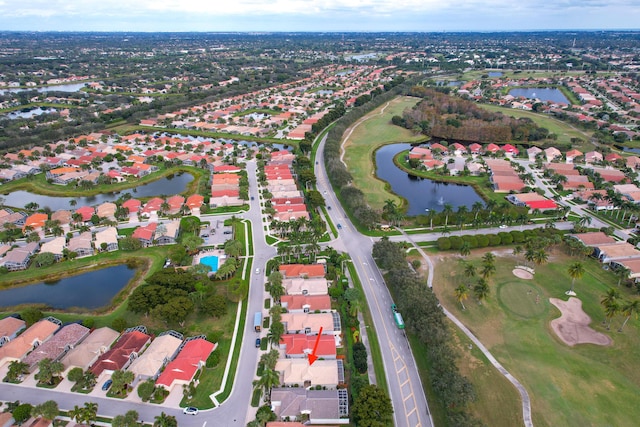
[494, 240]
[505, 238]
[472, 240]
[456, 242]
[213, 359]
[483, 241]
[444, 243]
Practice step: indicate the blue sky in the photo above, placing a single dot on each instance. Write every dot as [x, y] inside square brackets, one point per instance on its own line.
[317, 15]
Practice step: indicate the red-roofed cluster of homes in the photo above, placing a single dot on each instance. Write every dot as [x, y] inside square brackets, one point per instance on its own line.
[287, 200]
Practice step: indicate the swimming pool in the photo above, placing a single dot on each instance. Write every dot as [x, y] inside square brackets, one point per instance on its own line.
[211, 261]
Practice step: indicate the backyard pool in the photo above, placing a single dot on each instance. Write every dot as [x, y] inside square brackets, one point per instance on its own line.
[211, 261]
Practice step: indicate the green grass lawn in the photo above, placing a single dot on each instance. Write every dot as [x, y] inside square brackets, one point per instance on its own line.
[369, 133]
[585, 385]
[564, 130]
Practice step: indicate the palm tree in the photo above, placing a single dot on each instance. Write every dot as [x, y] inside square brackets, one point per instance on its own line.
[540, 256]
[488, 258]
[164, 420]
[610, 297]
[476, 208]
[461, 293]
[269, 379]
[629, 309]
[465, 249]
[481, 290]
[623, 274]
[469, 271]
[488, 270]
[610, 310]
[447, 210]
[575, 270]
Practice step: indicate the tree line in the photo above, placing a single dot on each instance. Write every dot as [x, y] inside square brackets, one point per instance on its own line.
[425, 319]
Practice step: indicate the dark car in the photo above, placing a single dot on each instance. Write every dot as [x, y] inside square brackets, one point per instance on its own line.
[339, 227]
[257, 342]
[106, 385]
[328, 208]
[252, 197]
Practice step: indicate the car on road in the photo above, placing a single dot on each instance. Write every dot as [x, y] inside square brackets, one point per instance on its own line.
[257, 271]
[227, 232]
[252, 198]
[257, 342]
[324, 192]
[339, 227]
[107, 384]
[204, 235]
[190, 410]
[328, 208]
[503, 226]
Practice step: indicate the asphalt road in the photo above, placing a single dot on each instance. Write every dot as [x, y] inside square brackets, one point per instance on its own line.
[405, 388]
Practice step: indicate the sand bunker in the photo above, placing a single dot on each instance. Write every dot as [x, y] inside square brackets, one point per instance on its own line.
[522, 274]
[572, 326]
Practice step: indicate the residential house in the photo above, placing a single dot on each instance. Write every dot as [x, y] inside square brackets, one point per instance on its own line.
[175, 204]
[310, 323]
[87, 352]
[146, 234]
[306, 303]
[533, 152]
[593, 157]
[304, 286]
[123, 352]
[300, 345]
[299, 373]
[18, 258]
[317, 406]
[107, 210]
[10, 327]
[133, 207]
[57, 346]
[35, 222]
[35, 335]
[617, 251]
[85, 212]
[167, 233]
[81, 244]
[152, 208]
[302, 270]
[160, 352]
[533, 201]
[194, 203]
[552, 153]
[55, 246]
[572, 155]
[108, 236]
[63, 217]
[182, 369]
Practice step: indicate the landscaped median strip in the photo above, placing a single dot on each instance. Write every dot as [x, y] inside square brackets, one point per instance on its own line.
[230, 359]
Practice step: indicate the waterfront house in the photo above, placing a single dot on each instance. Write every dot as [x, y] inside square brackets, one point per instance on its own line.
[87, 352]
[109, 236]
[10, 327]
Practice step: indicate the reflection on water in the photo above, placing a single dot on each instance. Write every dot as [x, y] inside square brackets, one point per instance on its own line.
[422, 194]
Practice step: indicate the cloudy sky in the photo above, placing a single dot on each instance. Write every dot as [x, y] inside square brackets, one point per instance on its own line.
[317, 15]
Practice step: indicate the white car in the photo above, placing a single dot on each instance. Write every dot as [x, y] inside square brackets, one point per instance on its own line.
[257, 271]
[190, 410]
[503, 226]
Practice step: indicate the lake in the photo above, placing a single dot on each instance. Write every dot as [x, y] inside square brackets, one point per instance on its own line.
[29, 113]
[167, 186]
[90, 290]
[422, 194]
[541, 93]
[71, 87]
[495, 74]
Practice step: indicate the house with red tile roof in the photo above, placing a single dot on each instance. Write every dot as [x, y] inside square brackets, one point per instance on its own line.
[492, 148]
[572, 154]
[183, 368]
[35, 221]
[122, 353]
[592, 157]
[297, 346]
[306, 303]
[613, 157]
[146, 234]
[86, 212]
[302, 270]
[175, 204]
[152, 208]
[438, 146]
[133, 206]
[194, 203]
[420, 153]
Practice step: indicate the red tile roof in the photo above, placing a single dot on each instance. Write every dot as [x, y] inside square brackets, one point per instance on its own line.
[298, 344]
[186, 364]
[299, 270]
[118, 356]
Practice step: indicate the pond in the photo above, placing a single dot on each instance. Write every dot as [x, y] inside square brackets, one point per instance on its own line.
[541, 93]
[495, 74]
[422, 194]
[167, 186]
[28, 113]
[71, 87]
[90, 290]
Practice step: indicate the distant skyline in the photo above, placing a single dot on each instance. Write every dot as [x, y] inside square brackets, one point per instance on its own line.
[316, 15]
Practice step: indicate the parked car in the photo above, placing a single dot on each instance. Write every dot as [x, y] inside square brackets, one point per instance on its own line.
[227, 232]
[503, 226]
[107, 384]
[257, 342]
[339, 227]
[190, 410]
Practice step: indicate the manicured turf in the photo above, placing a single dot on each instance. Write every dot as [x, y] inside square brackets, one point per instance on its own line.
[569, 386]
[369, 133]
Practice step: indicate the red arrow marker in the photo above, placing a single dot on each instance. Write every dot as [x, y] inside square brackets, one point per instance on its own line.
[312, 355]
